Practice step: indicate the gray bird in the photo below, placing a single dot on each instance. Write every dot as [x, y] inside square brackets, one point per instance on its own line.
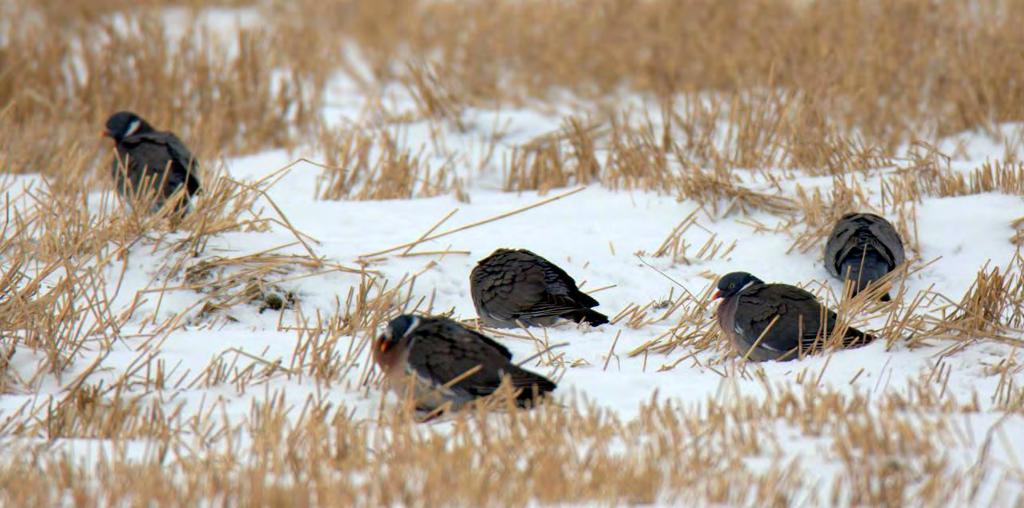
[513, 287]
[862, 248]
[149, 159]
[428, 353]
[749, 306]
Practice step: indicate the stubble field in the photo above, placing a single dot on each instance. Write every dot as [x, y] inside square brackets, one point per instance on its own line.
[359, 157]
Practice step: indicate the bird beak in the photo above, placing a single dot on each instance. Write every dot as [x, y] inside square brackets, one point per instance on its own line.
[718, 294]
[384, 346]
[106, 134]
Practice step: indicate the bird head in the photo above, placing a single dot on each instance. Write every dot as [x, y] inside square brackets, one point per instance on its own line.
[397, 332]
[122, 124]
[732, 283]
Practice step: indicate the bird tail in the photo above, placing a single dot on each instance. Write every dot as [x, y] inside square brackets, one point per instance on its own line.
[531, 386]
[589, 316]
[856, 338]
[864, 269]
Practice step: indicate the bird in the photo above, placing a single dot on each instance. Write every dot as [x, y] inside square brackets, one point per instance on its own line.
[448, 365]
[151, 159]
[515, 287]
[749, 307]
[862, 248]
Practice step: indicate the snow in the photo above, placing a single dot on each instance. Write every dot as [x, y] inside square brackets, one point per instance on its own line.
[594, 235]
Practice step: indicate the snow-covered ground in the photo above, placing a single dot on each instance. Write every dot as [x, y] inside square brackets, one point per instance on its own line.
[597, 235]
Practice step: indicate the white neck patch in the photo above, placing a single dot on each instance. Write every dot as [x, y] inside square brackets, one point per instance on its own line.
[412, 327]
[132, 127]
[745, 286]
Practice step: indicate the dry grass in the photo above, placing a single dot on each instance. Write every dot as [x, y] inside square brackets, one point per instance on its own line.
[219, 99]
[905, 64]
[566, 157]
[362, 165]
[991, 309]
[676, 246]
[748, 95]
[321, 457]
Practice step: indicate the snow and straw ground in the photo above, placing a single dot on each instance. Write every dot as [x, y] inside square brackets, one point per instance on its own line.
[179, 379]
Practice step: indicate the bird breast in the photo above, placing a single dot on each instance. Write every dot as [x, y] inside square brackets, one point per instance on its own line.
[392, 361]
[726, 314]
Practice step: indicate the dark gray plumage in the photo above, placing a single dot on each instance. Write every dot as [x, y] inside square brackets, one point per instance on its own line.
[749, 306]
[862, 248]
[510, 287]
[149, 159]
[427, 353]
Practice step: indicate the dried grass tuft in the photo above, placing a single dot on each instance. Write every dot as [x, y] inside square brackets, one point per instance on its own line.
[368, 166]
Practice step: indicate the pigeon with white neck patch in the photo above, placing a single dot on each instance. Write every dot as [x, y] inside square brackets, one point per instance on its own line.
[445, 363]
[150, 159]
[775, 321]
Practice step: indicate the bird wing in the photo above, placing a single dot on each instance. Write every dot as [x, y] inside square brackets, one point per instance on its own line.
[560, 284]
[888, 242]
[514, 288]
[798, 311]
[551, 290]
[472, 335]
[446, 351]
[855, 232]
[837, 247]
[504, 289]
[184, 166]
